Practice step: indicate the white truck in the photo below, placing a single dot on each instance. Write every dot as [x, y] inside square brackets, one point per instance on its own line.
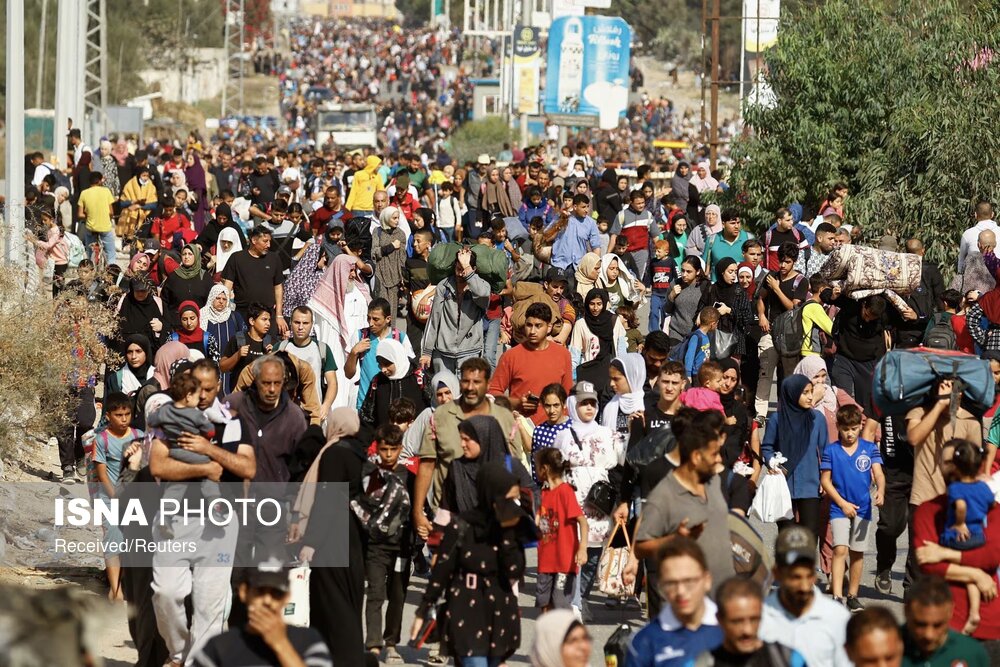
[349, 125]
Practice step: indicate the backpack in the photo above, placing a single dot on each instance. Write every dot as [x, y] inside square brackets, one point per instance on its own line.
[322, 359]
[941, 335]
[241, 340]
[677, 354]
[204, 340]
[805, 254]
[75, 251]
[788, 330]
[383, 512]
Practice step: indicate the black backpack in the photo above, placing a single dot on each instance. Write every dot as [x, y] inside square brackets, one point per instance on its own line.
[941, 335]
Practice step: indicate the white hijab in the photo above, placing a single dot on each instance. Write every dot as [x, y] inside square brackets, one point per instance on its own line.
[392, 350]
[208, 311]
[634, 367]
[222, 256]
[625, 277]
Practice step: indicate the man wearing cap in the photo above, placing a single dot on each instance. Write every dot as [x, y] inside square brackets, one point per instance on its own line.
[525, 369]
[97, 207]
[797, 614]
[265, 637]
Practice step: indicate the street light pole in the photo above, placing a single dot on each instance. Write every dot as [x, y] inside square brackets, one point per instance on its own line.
[40, 70]
[14, 210]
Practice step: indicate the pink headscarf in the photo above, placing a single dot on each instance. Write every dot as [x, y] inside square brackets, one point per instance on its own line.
[120, 152]
[332, 290]
[165, 358]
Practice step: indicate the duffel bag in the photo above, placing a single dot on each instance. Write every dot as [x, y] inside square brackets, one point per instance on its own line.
[491, 264]
[904, 378]
[863, 268]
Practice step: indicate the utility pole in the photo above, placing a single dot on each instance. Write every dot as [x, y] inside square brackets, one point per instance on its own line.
[704, 57]
[713, 140]
[526, 20]
[68, 71]
[14, 211]
[40, 69]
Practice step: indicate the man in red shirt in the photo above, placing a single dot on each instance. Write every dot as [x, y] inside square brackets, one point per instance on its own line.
[524, 370]
[960, 568]
[332, 209]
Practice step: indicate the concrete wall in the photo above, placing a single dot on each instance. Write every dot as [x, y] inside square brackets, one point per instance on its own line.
[202, 76]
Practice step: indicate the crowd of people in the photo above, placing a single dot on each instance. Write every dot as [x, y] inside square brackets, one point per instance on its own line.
[462, 345]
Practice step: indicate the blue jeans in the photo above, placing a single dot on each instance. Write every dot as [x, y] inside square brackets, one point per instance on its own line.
[656, 303]
[107, 239]
[588, 572]
[449, 233]
[480, 661]
[491, 337]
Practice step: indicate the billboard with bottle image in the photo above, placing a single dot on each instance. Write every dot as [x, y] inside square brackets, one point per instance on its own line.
[588, 68]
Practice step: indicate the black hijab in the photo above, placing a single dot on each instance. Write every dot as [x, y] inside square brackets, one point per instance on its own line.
[491, 483]
[142, 370]
[134, 315]
[487, 432]
[602, 326]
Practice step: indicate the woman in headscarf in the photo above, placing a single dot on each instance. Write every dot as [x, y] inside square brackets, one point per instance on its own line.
[513, 189]
[686, 300]
[137, 267]
[624, 412]
[480, 624]
[561, 641]
[197, 188]
[444, 388]
[698, 237]
[597, 338]
[171, 352]
[587, 273]
[736, 449]
[653, 205]
[397, 379]
[340, 308]
[986, 334]
[619, 282]
[424, 218]
[493, 198]
[483, 441]
[191, 334]
[223, 220]
[141, 312]
[680, 185]
[109, 167]
[607, 199]
[124, 161]
[744, 274]
[138, 201]
[591, 450]
[737, 315]
[799, 434]
[188, 282]
[137, 369]
[389, 255]
[229, 243]
[220, 319]
[337, 593]
[678, 236]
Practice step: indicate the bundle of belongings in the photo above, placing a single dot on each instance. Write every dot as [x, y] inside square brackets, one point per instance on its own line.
[861, 271]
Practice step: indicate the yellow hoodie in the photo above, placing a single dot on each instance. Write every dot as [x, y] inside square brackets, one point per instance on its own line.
[366, 183]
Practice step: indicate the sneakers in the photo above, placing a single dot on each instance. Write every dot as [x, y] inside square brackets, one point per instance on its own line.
[81, 469]
[883, 582]
[391, 656]
[854, 604]
[69, 475]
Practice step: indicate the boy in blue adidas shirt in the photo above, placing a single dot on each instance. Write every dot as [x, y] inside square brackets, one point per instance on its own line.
[699, 346]
[688, 626]
[846, 472]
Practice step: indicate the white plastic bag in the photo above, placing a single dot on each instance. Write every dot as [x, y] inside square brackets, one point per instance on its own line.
[297, 609]
[773, 501]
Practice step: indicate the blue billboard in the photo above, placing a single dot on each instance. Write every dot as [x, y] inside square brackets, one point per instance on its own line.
[588, 68]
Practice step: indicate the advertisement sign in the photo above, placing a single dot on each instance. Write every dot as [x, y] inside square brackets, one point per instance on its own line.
[760, 32]
[527, 70]
[588, 68]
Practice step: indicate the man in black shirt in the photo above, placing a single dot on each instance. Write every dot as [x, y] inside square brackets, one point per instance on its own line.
[243, 348]
[417, 279]
[779, 292]
[860, 332]
[266, 639]
[894, 515]
[740, 606]
[655, 350]
[255, 275]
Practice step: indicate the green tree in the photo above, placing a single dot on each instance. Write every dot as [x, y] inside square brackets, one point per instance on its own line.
[889, 96]
[479, 136]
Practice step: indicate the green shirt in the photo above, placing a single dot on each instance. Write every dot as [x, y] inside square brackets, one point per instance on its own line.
[957, 650]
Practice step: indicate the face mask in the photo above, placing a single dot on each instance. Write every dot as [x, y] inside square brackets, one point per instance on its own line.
[143, 181]
[826, 295]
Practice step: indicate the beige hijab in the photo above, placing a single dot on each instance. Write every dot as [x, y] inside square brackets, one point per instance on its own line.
[341, 423]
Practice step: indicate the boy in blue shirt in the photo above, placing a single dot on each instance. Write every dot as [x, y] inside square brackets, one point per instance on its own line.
[688, 625]
[698, 349]
[846, 472]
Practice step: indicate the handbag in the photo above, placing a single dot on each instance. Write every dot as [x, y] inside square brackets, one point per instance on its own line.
[723, 343]
[297, 610]
[612, 566]
[601, 495]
